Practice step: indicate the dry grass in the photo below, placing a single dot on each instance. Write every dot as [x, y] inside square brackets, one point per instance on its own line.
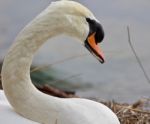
[137, 113]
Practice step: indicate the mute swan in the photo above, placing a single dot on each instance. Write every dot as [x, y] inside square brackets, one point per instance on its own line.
[61, 17]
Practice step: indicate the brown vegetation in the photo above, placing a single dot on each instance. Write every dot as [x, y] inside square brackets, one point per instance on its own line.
[137, 113]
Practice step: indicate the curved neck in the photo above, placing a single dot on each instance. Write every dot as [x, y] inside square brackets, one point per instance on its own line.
[16, 67]
[16, 81]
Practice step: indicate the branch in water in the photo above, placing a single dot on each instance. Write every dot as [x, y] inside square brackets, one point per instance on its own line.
[56, 92]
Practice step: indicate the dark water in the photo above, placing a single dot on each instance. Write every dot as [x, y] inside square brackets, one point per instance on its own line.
[120, 78]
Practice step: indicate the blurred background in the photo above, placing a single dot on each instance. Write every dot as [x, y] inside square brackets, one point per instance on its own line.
[71, 66]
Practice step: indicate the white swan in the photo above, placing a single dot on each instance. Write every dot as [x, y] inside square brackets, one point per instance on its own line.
[61, 17]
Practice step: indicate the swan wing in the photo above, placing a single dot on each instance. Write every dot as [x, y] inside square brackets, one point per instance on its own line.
[8, 115]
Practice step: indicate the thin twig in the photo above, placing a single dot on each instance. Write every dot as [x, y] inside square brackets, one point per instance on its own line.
[56, 121]
[67, 78]
[58, 62]
[136, 56]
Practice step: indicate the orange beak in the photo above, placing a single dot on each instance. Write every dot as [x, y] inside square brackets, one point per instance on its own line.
[94, 48]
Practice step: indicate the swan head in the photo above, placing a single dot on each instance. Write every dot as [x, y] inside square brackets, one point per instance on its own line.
[80, 22]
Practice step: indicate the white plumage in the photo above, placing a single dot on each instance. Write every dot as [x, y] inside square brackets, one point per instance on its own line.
[61, 17]
[7, 114]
